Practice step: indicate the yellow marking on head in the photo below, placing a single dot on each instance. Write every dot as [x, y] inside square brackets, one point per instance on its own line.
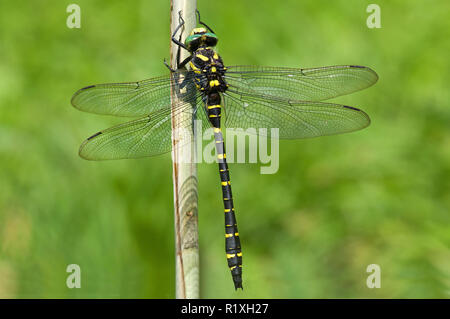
[230, 256]
[202, 57]
[213, 69]
[215, 56]
[198, 30]
[216, 82]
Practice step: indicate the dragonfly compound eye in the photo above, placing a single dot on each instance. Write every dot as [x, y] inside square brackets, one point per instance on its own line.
[199, 37]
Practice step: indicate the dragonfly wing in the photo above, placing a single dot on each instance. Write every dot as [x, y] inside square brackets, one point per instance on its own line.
[129, 98]
[143, 137]
[294, 119]
[147, 136]
[314, 84]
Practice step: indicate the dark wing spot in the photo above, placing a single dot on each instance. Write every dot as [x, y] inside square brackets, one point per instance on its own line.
[88, 87]
[96, 134]
[357, 66]
[351, 108]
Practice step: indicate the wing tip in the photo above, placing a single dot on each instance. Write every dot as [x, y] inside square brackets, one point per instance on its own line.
[364, 114]
[77, 93]
[81, 152]
[367, 69]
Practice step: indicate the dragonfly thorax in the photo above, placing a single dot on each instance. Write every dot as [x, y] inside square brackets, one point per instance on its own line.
[209, 70]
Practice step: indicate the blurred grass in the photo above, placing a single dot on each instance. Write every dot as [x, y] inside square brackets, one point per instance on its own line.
[336, 205]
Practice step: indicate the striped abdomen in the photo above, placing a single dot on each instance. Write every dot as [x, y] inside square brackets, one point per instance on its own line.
[232, 242]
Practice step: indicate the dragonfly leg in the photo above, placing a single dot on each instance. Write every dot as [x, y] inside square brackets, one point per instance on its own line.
[179, 65]
[174, 40]
[202, 23]
[185, 61]
[168, 66]
[180, 45]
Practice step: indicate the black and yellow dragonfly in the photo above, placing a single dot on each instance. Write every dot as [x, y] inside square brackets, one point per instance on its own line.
[289, 99]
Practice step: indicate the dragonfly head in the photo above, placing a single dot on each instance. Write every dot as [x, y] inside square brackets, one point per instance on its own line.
[200, 37]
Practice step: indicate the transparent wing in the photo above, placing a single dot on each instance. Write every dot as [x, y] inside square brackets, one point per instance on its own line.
[147, 136]
[129, 98]
[315, 84]
[294, 119]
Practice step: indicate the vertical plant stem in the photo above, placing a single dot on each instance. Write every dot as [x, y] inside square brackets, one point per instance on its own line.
[184, 170]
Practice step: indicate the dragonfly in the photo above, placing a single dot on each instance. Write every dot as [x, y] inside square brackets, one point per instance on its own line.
[289, 99]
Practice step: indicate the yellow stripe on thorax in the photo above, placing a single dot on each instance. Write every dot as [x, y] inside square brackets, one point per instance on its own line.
[202, 57]
[193, 67]
[213, 83]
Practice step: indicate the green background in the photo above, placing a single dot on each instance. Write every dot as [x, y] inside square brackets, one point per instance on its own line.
[336, 205]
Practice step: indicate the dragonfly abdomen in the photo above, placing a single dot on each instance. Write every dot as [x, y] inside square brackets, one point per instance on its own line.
[232, 241]
[214, 109]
